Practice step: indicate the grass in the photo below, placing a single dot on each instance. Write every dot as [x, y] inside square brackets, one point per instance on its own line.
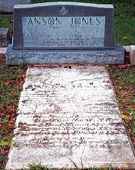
[37, 167]
[4, 21]
[125, 32]
[11, 80]
[124, 82]
[8, 91]
[40, 167]
[127, 76]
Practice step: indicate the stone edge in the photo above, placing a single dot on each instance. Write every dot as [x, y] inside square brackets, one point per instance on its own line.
[64, 3]
[100, 56]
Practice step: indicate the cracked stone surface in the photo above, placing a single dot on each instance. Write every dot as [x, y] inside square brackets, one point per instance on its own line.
[68, 117]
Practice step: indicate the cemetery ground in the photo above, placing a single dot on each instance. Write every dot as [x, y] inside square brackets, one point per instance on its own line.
[11, 80]
[122, 76]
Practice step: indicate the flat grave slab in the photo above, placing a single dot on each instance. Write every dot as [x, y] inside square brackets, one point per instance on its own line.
[68, 117]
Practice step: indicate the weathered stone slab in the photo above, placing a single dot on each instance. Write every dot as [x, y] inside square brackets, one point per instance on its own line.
[68, 117]
[100, 56]
[8, 5]
[71, 25]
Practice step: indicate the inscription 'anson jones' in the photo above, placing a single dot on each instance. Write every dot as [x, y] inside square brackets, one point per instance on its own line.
[56, 20]
[47, 32]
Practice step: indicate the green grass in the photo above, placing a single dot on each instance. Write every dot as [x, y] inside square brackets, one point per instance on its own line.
[8, 78]
[132, 112]
[37, 167]
[5, 142]
[127, 76]
[4, 21]
[10, 87]
[40, 167]
[123, 79]
[125, 32]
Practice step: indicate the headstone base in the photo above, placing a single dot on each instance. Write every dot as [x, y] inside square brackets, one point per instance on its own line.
[97, 56]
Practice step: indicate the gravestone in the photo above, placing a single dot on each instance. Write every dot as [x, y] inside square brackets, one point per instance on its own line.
[64, 32]
[68, 117]
[8, 5]
[3, 37]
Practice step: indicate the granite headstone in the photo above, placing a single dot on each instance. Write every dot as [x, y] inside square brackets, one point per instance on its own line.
[3, 37]
[64, 32]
